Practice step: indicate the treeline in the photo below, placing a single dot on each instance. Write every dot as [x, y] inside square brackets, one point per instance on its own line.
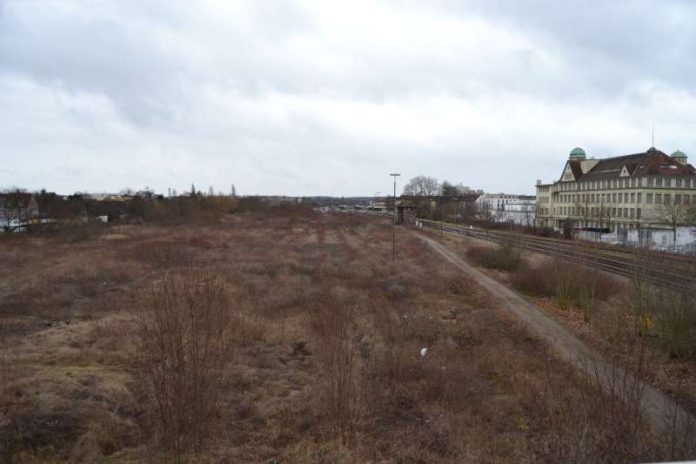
[142, 206]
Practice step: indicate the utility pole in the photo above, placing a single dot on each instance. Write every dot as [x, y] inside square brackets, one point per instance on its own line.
[394, 175]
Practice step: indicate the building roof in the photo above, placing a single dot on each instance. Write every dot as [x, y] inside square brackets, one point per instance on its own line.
[577, 152]
[650, 163]
[575, 166]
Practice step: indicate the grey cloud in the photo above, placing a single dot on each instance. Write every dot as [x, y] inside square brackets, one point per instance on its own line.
[269, 94]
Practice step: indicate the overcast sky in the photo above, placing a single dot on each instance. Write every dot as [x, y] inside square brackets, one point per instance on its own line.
[321, 97]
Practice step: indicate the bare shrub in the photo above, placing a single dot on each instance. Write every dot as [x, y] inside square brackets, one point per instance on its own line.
[81, 232]
[506, 257]
[669, 317]
[531, 282]
[391, 358]
[161, 254]
[334, 327]
[570, 284]
[185, 343]
[600, 420]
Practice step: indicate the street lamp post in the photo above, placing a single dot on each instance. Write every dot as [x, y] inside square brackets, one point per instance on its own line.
[394, 175]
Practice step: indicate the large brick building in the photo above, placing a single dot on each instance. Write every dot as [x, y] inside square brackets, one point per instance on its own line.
[613, 194]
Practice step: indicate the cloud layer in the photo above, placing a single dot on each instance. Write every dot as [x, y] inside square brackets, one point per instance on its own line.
[320, 97]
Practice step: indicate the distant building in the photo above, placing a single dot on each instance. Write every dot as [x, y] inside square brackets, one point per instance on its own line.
[17, 208]
[107, 196]
[506, 207]
[617, 194]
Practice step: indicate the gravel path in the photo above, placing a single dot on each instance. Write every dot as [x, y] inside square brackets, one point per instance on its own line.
[660, 409]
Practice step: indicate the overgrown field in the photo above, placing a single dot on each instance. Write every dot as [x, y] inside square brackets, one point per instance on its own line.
[284, 338]
[624, 318]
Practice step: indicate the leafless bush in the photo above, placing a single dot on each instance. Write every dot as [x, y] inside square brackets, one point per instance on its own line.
[600, 420]
[6, 422]
[391, 359]
[668, 316]
[531, 282]
[570, 284]
[185, 344]
[162, 254]
[334, 327]
[506, 257]
[74, 232]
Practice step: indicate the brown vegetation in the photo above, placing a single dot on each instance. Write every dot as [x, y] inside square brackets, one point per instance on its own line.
[286, 337]
[617, 316]
[569, 284]
[506, 257]
[185, 334]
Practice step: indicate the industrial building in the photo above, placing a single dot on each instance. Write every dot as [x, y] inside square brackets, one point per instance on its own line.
[507, 208]
[642, 190]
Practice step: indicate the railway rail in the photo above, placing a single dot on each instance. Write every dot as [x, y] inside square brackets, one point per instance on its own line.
[671, 272]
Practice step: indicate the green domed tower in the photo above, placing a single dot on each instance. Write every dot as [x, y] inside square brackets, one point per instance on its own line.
[679, 156]
[577, 153]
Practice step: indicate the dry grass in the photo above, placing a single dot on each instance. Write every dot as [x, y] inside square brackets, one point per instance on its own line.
[615, 315]
[572, 286]
[326, 331]
[185, 333]
[506, 257]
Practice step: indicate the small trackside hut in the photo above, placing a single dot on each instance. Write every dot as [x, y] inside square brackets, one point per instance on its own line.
[406, 213]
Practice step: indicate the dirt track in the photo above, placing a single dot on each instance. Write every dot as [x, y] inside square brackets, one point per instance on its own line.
[660, 409]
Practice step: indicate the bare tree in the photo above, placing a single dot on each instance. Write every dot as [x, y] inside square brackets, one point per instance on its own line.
[583, 209]
[674, 213]
[422, 186]
[448, 190]
[484, 211]
[602, 213]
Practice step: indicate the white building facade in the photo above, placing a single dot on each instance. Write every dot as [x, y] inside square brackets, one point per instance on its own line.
[649, 193]
[507, 208]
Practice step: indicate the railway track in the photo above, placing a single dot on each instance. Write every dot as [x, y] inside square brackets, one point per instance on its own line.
[671, 272]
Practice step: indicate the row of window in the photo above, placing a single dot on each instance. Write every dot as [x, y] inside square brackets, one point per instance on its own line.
[666, 182]
[596, 211]
[612, 226]
[626, 197]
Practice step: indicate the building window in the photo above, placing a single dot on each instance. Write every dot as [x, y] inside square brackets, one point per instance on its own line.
[677, 199]
[686, 199]
[679, 183]
[613, 212]
[633, 197]
[625, 212]
[633, 212]
[648, 198]
[650, 181]
[658, 182]
[613, 198]
[639, 197]
[668, 198]
[658, 198]
[637, 213]
[625, 197]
